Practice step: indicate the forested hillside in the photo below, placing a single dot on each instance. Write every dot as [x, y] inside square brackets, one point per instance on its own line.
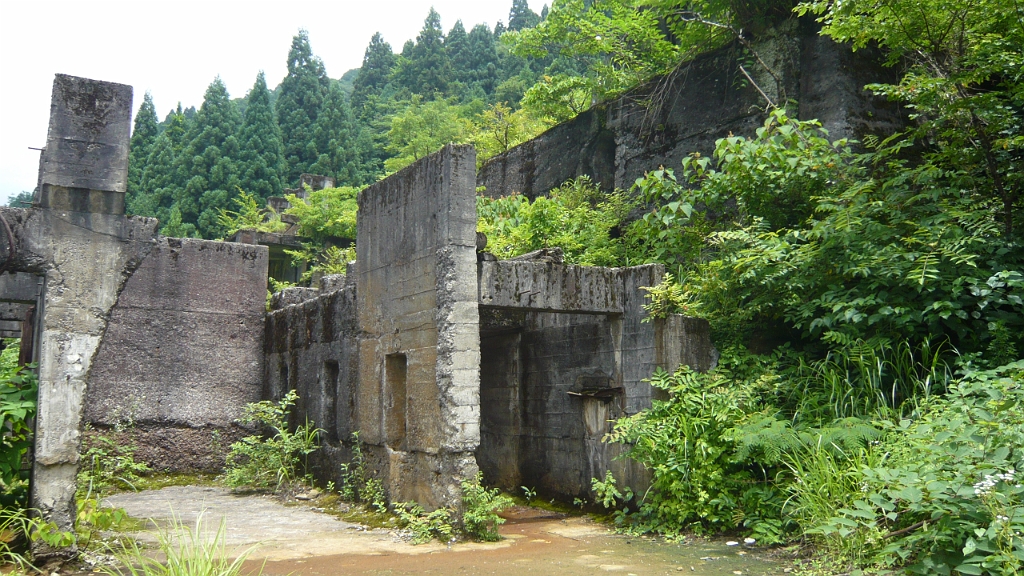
[457, 85]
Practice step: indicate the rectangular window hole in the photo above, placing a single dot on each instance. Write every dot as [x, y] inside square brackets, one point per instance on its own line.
[395, 400]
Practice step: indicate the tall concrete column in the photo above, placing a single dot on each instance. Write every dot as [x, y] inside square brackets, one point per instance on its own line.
[89, 249]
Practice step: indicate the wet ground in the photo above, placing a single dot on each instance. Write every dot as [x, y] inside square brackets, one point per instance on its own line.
[300, 540]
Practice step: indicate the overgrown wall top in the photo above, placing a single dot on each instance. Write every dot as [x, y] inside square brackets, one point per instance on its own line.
[704, 100]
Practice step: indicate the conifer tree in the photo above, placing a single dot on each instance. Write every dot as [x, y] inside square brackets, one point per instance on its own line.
[160, 175]
[478, 62]
[261, 164]
[428, 69]
[544, 13]
[208, 163]
[521, 17]
[332, 134]
[303, 92]
[378, 64]
[144, 137]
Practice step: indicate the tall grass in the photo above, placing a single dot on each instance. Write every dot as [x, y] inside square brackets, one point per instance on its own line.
[188, 552]
[869, 379]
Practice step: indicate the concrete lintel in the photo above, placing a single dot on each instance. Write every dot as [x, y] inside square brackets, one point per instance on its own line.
[547, 287]
[19, 287]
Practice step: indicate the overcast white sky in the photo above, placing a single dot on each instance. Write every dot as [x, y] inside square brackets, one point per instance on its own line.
[175, 49]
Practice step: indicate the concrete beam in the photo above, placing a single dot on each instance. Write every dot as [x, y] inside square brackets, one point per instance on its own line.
[19, 287]
[548, 287]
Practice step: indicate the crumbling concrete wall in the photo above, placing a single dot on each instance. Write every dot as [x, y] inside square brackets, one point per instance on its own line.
[560, 360]
[418, 402]
[311, 348]
[705, 99]
[181, 342]
[182, 353]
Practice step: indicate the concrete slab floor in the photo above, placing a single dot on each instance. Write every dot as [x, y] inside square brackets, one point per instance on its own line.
[298, 540]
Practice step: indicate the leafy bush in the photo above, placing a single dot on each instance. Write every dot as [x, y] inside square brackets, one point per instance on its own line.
[250, 216]
[480, 507]
[326, 213]
[426, 526]
[479, 518]
[272, 460]
[688, 443]
[356, 483]
[107, 464]
[939, 493]
[577, 217]
[831, 243]
[18, 394]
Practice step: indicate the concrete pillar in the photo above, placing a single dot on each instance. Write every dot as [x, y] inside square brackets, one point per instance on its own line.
[90, 249]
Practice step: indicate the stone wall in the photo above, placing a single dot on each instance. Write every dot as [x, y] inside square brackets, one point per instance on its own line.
[706, 99]
[183, 353]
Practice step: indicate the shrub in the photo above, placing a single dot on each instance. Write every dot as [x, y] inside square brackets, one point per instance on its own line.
[480, 507]
[18, 394]
[107, 464]
[940, 493]
[576, 217]
[272, 460]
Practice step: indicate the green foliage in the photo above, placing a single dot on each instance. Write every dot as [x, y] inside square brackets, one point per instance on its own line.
[427, 70]
[21, 200]
[499, 129]
[250, 216]
[322, 261]
[378, 63]
[423, 128]
[688, 444]
[18, 397]
[356, 483]
[108, 464]
[480, 507]
[847, 245]
[208, 162]
[18, 527]
[426, 526]
[576, 217]
[261, 163]
[940, 493]
[327, 213]
[187, 551]
[270, 461]
[479, 518]
[140, 146]
[302, 95]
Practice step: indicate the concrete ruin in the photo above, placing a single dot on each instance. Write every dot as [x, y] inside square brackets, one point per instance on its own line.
[109, 293]
[445, 360]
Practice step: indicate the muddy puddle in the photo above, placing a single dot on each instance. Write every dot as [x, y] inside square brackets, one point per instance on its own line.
[296, 541]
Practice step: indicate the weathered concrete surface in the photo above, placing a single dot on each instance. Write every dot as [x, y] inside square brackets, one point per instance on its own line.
[550, 287]
[84, 166]
[87, 250]
[183, 352]
[660, 124]
[311, 348]
[419, 342]
[552, 382]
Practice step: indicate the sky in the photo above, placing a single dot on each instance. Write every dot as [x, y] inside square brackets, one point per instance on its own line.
[175, 49]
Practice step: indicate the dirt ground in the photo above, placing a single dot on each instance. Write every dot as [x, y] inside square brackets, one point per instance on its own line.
[301, 540]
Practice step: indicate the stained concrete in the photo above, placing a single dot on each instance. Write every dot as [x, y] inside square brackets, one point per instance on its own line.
[77, 238]
[703, 100]
[183, 353]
